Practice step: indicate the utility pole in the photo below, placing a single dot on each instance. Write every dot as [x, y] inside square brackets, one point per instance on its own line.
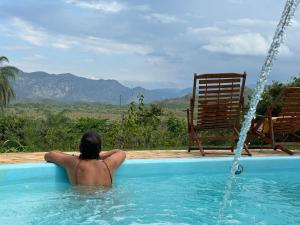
[120, 100]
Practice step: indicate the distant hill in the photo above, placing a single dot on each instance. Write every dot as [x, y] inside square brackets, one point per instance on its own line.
[37, 86]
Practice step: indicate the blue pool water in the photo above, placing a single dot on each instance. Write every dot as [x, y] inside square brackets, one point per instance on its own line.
[168, 191]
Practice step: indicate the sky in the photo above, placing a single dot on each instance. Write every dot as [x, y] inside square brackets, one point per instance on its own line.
[154, 44]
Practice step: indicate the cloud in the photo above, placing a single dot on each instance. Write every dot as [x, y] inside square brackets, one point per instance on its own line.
[251, 44]
[237, 1]
[237, 37]
[34, 57]
[93, 78]
[205, 32]
[142, 8]
[109, 7]
[27, 32]
[154, 60]
[161, 18]
[41, 38]
[240, 44]
[248, 22]
[14, 47]
[64, 43]
[295, 24]
[108, 46]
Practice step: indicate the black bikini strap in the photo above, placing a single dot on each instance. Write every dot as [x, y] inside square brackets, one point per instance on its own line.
[108, 171]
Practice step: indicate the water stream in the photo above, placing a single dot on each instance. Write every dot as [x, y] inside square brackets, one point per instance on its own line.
[285, 21]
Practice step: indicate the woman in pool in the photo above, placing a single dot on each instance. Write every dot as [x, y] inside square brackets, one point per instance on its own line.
[92, 167]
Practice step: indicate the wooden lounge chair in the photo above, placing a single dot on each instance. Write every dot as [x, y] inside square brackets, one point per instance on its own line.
[275, 129]
[217, 103]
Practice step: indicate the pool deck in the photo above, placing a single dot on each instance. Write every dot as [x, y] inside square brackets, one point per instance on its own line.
[147, 154]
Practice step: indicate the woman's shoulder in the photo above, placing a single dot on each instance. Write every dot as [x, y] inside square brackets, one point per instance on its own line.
[60, 158]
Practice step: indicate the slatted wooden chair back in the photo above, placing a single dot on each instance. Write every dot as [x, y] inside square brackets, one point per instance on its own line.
[218, 100]
[288, 121]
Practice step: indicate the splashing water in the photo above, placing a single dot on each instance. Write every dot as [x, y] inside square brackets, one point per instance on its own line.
[285, 21]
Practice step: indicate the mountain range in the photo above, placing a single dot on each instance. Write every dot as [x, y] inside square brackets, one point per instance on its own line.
[38, 86]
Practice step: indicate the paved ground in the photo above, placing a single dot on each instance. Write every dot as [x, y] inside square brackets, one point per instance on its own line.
[38, 156]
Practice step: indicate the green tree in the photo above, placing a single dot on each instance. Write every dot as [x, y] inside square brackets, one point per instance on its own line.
[295, 81]
[270, 94]
[7, 73]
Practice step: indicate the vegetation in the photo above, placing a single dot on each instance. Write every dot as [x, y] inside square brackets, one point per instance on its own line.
[271, 93]
[140, 127]
[7, 73]
[46, 126]
[71, 110]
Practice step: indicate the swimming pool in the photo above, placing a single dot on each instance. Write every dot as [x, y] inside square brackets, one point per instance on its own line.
[158, 191]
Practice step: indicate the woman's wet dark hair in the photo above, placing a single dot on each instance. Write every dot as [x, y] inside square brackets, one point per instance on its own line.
[90, 145]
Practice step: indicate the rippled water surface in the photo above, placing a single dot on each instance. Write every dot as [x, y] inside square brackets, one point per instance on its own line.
[264, 198]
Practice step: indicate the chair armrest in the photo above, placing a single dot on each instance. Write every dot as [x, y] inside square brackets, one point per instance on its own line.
[258, 121]
[261, 116]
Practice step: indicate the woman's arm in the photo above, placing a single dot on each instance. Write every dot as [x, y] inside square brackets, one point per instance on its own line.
[114, 157]
[59, 158]
[104, 155]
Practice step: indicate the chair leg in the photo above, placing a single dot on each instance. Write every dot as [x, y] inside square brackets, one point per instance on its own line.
[233, 145]
[200, 147]
[284, 149]
[232, 149]
[247, 149]
[296, 136]
[192, 137]
[271, 132]
[195, 138]
[190, 144]
[285, 138]
[236, 132]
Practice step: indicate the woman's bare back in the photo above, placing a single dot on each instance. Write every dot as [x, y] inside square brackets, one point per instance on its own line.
[91, 172]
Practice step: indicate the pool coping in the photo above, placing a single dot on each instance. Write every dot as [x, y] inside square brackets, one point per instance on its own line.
[156, 161]
[6, 158]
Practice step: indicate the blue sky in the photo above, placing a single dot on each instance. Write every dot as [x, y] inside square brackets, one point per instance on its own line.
[150, 43]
